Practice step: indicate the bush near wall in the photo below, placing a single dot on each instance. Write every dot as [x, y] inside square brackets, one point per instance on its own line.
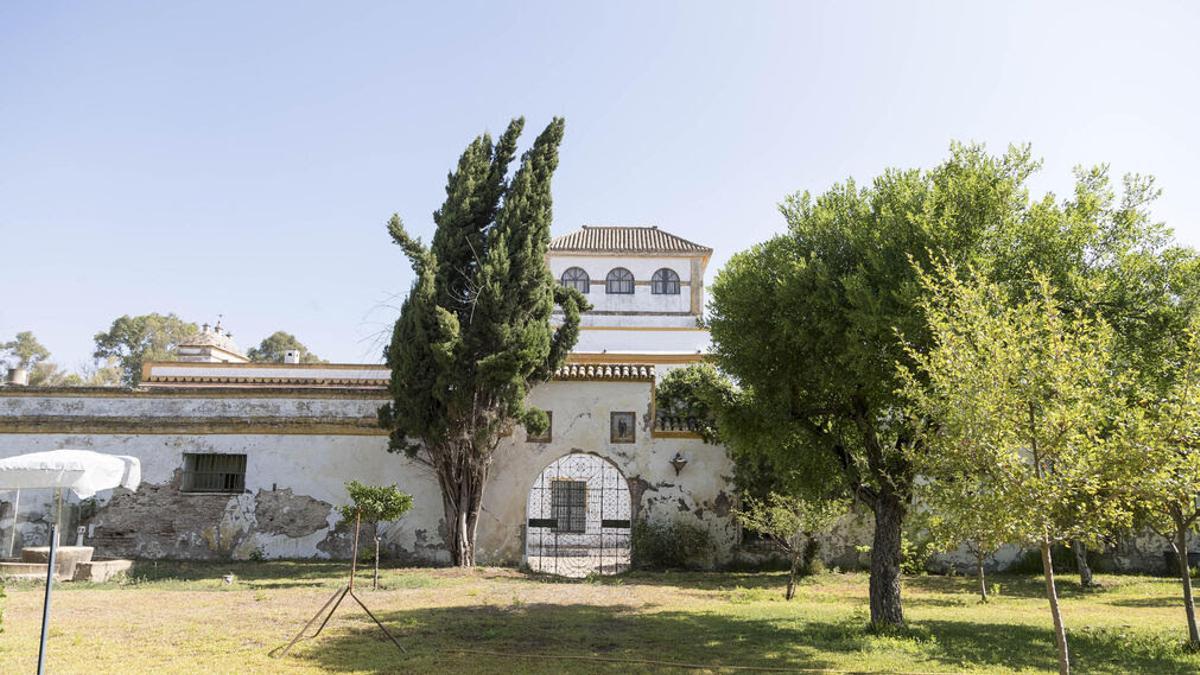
[671, 545]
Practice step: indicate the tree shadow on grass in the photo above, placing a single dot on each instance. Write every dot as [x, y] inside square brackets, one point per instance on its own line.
[548, 638]
[1012, 585]
[683, 579]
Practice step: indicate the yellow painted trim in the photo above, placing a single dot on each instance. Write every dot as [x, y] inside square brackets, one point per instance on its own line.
[635, 359]
[301, 366]
[676, 434]
[150, 426]
[645, 328]
[617, 253]
[200, 391]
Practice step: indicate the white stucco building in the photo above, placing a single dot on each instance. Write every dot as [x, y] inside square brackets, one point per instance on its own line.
[245, 459]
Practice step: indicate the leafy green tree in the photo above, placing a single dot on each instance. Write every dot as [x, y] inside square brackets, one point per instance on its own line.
[1169, 483]
[807, 324]
[133, 340]
[791, 523]
[273, 348]
[962, 514]
[693, 396]
[375, 504]
[474, 333]
[1025, 407]
[24, 351]
[47, 374]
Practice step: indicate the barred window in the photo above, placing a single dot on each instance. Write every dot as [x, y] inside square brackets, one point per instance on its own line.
[620, 281]
[575, 277]
[213, 472]
[568, 505]
[665, 282]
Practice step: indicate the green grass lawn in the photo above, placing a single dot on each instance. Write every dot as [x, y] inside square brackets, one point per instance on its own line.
[184, 618]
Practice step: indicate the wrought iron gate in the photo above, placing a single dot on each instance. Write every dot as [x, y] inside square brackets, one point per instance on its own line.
[579, 518]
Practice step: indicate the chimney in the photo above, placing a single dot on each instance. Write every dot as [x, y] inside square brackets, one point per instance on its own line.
[17, 377]
[291, 356]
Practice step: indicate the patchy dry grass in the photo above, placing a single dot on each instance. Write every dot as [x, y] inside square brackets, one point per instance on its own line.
[183, 617]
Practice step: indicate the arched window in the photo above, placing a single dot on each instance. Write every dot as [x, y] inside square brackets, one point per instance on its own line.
[665, 282]
[620, 280]
[576, 278]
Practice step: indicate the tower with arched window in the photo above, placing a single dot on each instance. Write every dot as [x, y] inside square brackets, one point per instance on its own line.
[646, 288]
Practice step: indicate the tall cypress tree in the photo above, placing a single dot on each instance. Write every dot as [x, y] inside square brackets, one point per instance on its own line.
[474, 333]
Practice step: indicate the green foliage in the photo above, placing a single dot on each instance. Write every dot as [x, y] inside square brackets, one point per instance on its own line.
[24, 351]
[273, 348]
[675, 544]
[790, 522]
[474, 332]
[1025, 404]
[133, 340]
[695, 394]
[376, 503]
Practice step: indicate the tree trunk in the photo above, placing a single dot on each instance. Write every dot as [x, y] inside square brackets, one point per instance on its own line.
[375, 578]
[462, 499]
[1060, 634]
[791, 587]
[983, 594]
[1185, 576]
[886, 611]
[1085, 571]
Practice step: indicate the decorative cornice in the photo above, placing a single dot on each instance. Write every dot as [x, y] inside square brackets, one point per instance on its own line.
[310, 426]
[633, 372]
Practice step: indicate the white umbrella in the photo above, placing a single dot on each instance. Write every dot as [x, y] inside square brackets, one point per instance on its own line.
[83, 472]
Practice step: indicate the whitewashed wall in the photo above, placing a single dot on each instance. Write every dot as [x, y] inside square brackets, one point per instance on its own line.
[294, 481]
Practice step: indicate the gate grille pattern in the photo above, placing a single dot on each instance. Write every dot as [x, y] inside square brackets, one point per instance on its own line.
[579, 512]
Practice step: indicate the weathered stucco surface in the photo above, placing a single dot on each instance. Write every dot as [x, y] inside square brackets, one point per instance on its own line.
[295, 479]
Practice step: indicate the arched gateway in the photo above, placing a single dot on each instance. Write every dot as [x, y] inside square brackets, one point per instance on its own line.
[578, 518]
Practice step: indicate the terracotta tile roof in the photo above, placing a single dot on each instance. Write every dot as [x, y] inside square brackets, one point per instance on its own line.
[625, 239]
[607, 371]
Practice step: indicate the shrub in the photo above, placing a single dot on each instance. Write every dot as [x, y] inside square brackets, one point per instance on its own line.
[672, 544]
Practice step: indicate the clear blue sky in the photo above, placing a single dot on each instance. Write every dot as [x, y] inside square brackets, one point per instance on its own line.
[241, 159]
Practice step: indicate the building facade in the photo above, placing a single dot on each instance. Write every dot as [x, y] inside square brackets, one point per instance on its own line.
[244, 460]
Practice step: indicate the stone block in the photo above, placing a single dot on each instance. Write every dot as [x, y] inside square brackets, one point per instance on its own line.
[99, 571]
[66, 558]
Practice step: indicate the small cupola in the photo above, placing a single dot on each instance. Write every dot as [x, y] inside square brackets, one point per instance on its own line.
[213, 344]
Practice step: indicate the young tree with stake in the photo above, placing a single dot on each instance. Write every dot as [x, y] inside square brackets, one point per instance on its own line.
[1023, 407]
[375, 504]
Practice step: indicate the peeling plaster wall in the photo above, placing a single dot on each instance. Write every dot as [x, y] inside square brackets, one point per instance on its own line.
[292, 484]
[294, 480]
[581, 424]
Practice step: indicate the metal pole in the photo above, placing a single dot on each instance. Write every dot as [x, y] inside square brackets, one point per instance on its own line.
[46, 603]
[354, 549]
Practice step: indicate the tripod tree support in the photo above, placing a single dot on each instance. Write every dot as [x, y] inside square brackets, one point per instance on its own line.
[336, 600]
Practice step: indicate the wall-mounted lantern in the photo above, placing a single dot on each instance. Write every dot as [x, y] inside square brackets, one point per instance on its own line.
[678, 461]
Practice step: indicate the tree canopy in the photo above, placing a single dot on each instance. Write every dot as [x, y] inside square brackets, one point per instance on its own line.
[273, 348]
[24, 350]
[133, 340]
[475, 331]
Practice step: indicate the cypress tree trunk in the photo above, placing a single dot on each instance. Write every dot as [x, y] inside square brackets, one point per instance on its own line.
[1085, 571]
[462, 499]
[1060, 633]
[886, 610]
[1179, 543]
